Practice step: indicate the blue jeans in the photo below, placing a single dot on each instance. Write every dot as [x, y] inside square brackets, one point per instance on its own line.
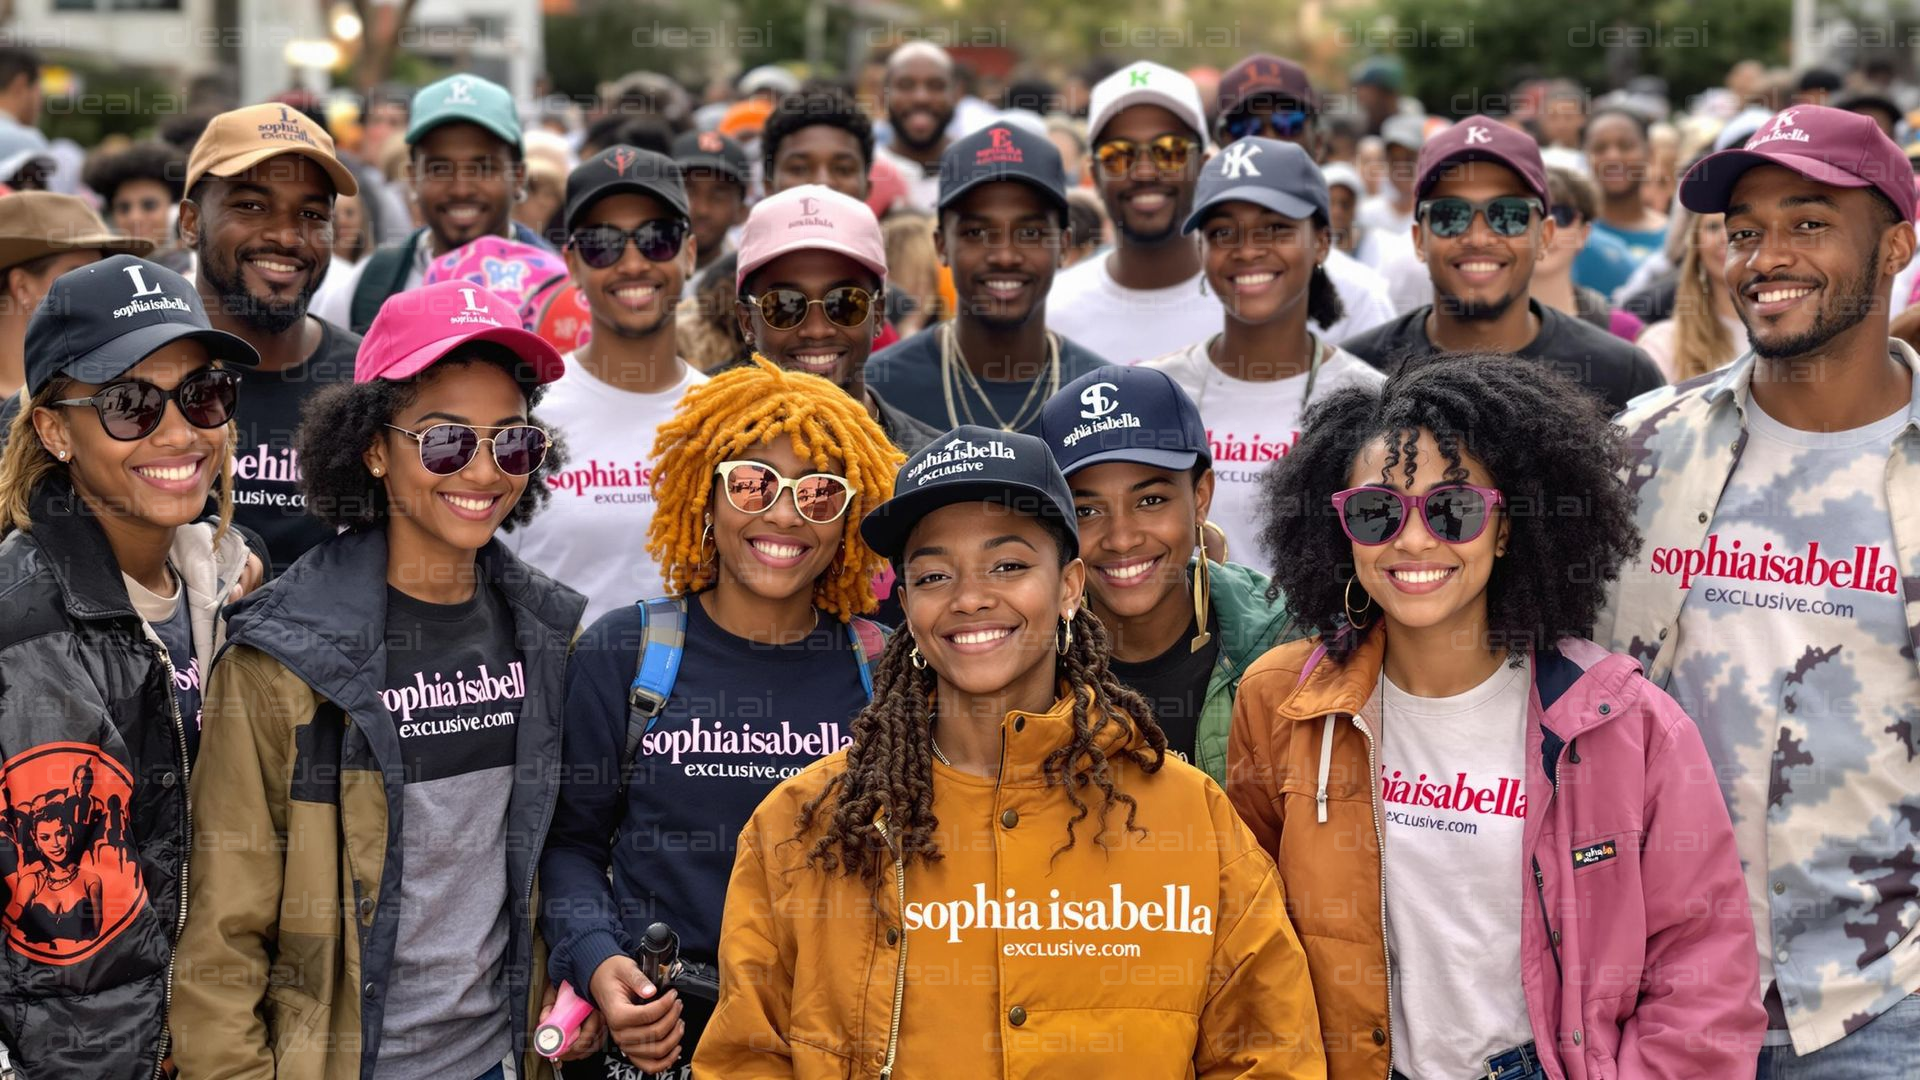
[1887, 1048]
[1519, 1063]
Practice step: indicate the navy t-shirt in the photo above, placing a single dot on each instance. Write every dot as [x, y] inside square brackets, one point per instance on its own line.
[907, 373]
[743, 716]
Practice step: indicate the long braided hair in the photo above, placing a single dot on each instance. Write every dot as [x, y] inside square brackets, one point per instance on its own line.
[890, 764]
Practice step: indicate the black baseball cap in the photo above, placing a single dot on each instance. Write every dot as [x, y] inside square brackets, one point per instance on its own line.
[1003, 152]
[1279, 176]
[623, 169]
[1132, 414]
[100, 319]
[973, 464]
[711, 152]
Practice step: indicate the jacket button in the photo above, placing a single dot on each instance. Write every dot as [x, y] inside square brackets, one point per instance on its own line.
[1576, 1037]
[1779, 888]
[167, 779]
[1010, 818]
[366, 907]
[1016, 1016]
[1556, 937]
[893, 935]
[1605, 708]
[373, 991]
[1379, 1037]
[1703, 521]
[1019, 723]
[1663, 633]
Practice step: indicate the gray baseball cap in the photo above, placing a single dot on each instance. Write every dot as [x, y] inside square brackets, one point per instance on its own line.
[1266, 172]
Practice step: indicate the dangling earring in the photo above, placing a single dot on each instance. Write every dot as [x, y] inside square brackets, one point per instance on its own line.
[1353, 617]
[913, 657]
[1202, 592]
[706, 537]
[1066, 635]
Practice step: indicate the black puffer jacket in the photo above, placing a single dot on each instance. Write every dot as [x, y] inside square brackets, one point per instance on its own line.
[94, 821]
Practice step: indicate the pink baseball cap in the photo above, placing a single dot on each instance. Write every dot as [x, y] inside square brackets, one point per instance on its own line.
[419, 326]
[811, 217]
[1826, 145]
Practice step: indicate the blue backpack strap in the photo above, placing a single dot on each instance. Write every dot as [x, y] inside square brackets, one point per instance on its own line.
[663, 641]
[869, 641]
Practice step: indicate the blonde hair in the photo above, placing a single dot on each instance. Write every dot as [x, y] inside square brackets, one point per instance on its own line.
[27, 463]
[913, 262]
[1701, 342]
[740, 409]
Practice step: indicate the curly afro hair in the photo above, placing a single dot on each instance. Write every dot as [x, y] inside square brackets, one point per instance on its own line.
[156, 161]
[340, 422]
[1552, 454]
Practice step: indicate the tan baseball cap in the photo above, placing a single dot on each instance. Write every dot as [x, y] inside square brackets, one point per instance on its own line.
[237, 141]
[36, 223]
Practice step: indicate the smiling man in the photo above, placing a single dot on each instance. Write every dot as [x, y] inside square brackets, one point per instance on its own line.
[1777, 591]
[1482, 222]
[258, 216]
[1003, 231]
[919, 95]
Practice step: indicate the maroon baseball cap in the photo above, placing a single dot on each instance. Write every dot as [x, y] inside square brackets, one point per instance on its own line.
[1825, 145]
[1481, 138]
[417, 327]
[1264, 73]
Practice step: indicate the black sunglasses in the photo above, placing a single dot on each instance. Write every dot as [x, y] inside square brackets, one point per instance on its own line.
[848, 306]
[1507, 215]
[600, 246]
[1563, 215]
[1282, 123]
[130, 409]
[445, 449]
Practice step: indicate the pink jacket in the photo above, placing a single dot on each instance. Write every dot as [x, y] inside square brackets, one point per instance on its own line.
[1637, 952]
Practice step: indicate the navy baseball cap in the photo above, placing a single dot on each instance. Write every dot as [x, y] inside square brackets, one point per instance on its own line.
[1132, 414]
[973, 464]
[1003, 152]
[709, 153]
[1266, 172]
[620, 169]
[100, 319]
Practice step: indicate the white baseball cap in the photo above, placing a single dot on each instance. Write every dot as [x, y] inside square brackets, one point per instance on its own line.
[1146, 83]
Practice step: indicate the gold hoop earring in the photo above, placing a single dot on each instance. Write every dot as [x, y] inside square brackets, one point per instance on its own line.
[1066, 635]
[913, 657]
[1202, 593]
[1353, 617]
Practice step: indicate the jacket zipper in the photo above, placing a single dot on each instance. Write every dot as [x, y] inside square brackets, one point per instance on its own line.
[1540, 878]
[180, 924]
[526, 897]
[1380, 840]
[900, 969]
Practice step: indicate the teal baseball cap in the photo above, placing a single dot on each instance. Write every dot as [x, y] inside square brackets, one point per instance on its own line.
[465, 99]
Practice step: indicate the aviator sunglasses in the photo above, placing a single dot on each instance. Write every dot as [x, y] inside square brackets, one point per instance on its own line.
[445, 449]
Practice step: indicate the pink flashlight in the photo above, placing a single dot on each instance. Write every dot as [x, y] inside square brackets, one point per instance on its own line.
[569, 1011]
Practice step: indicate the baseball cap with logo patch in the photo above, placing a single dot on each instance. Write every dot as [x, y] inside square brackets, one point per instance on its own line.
[1826, 145]
[100, 319]
[237, 141]
[1131, 414]
[973, 464]
[465, 99]
[623, 169]
[1003, 152]
[1482, 138]
[1265, 75]
[711, 154]
[417, 327]
[1266, 172]
[1146, 83]
[811, 217]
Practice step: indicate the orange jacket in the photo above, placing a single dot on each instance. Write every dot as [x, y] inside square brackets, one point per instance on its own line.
[1164, 955]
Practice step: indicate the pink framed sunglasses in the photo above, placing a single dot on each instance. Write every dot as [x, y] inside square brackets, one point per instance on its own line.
[1454, 513]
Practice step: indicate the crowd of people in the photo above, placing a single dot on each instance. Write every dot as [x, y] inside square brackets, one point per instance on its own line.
[450, 546]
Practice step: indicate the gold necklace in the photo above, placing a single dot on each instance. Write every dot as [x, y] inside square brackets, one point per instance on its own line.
[950, 359]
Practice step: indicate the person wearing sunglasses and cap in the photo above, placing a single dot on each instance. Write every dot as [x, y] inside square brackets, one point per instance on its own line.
[1183, 628]
[766, 476]
[947, 896]
[110, 617]
[1517, 859]
[1482, 224]
[384, 730]
[810, 279]
[629, 250]
[1264, 231]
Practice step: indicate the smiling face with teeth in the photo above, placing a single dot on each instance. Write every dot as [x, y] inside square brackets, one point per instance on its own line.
[1138, 529]
[818, 346]
[153, 484]
[1003, 240]
[1260, 263]
[635, 297]
[464, 179]
[776, 555]
[1479, 275]
[984, 590]
[1146, 205]
[264, 238]
[1426, 590]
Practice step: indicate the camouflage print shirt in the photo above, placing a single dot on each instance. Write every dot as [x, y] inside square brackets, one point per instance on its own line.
[1777, 596]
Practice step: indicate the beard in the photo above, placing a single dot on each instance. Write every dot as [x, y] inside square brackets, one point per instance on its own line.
[1475, 310]
[940, 124]
[1847, 305]
[267, 317]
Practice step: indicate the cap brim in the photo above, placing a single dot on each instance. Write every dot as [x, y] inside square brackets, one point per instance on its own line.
[689, 165]
[342, 177]
[1170, 460]
[886, 529]
[749, 266]
[1709, 184]
[424, 125]
[586, 200]
[10, 167]
[529, 346]
[1056, 197]
[15, 250]
[112, 359]
[1280, 202]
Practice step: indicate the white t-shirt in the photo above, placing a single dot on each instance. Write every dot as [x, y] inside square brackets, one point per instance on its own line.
[1379, 213]
[1249, 426]
[923, 191]
[1453, 779]
[1127, 326]
[592, 534]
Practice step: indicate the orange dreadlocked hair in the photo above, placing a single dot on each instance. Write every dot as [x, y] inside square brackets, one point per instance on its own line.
[742, 408]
